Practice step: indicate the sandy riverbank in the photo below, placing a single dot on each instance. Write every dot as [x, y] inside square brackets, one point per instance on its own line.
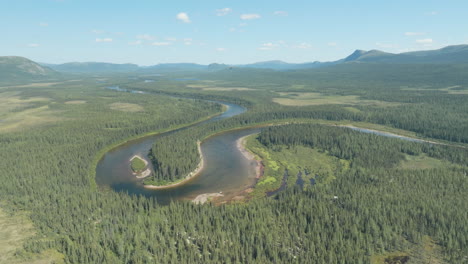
[203, 198]
[190, 176]
[141, 174]
[240, 143]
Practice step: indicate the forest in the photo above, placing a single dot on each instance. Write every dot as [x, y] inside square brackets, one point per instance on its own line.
[376, 205]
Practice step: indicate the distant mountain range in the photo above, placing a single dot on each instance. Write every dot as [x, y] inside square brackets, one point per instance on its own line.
[18, 67]
[13, 67]
[92, 67]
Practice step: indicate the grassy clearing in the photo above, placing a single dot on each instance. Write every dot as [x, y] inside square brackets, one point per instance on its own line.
[75, 102]
[12, 101]
[319, 165]
[304, 99]
[228, 89]
[137, 164]
[421, 162]
[425, 252]
[34, 85]
[18, 113]
[127, 107]
[29, 118]
[456, 89]
[14, 231]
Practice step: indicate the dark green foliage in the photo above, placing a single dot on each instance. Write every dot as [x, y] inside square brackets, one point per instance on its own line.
[365, 150]
[137, 164]
[379, 208]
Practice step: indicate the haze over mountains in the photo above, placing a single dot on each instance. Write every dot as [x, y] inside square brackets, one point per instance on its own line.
[21, 68]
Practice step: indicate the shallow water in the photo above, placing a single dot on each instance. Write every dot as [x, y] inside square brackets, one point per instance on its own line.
[226, 170]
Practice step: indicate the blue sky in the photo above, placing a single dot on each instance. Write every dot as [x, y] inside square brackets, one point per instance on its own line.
[148, 32]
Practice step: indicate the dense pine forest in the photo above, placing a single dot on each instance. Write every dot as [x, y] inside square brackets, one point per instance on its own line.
[374, 200]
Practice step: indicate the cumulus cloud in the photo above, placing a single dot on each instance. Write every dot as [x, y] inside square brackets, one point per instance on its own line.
[303, 45]
[332, 44]
[268, 46]
[33, 45]
[182, 16]
[414, 34]
[280, 13]
[424, 41]
[97, 31]
[104, 40]
[221, 49]
[223, 11]
[386, 45]
[249, 16]
[145, 37]
[136, 42]
[161, 43]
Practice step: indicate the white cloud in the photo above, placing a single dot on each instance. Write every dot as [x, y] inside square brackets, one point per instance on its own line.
[104, 40]
[250, 16]
[137, 42]
[223, 11]
[414, 34]
[221, 49]
[188, 41]
[432, 13]
[424, 41]
[171, 39]
[268, 46]
[183, 17]
[386, 45]
[97, 31]
[161, 43]
[243, 24]
[332, 44]
[280, 13]
[303, 45]
[43, 24]
[33, 45]
[145, 37]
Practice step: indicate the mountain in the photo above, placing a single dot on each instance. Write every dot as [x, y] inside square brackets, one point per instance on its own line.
[449, 55]
[173, 67]
[93, 67]
[18, 67]
[284, 66]
[14, 68]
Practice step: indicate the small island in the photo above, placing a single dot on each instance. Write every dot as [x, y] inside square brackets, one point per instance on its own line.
[139, 167]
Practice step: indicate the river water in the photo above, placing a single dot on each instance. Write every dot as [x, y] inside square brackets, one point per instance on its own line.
[225, 170]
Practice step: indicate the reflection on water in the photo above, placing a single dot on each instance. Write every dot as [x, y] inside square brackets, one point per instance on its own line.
[226, 169]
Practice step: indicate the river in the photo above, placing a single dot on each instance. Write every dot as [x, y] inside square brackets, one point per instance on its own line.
[225, 170]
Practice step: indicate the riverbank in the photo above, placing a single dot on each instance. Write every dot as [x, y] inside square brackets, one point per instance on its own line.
[187, 178]
[142, 174]
[203, 198]
[100, 155]
[241, 146]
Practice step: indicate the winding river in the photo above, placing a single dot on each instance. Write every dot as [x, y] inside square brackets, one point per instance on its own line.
[225, 171]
